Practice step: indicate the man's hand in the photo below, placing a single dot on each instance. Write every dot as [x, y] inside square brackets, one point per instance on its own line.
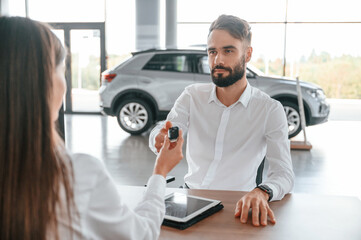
[258, 201]
[159, 139]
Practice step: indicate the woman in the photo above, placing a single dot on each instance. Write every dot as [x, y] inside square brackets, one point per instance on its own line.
[45, 193]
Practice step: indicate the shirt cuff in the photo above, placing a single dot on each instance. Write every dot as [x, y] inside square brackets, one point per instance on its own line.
[156, 185]
[275, 196]
[151, 145]
[152, 136]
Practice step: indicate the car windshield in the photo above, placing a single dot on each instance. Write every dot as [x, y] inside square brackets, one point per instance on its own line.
[123, 60]
[255, 70]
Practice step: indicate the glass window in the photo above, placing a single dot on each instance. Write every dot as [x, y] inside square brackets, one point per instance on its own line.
[268, 48]
[323, 11]
[192, 35]
[85, 69]
[67, 10]
[252, 11]
[16, 8]
[328, 55]
[120, 31]
[169, 62]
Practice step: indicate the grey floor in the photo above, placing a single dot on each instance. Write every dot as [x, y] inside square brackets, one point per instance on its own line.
[333, 166]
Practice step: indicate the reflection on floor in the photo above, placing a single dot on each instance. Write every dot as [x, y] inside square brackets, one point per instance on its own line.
[331, 167]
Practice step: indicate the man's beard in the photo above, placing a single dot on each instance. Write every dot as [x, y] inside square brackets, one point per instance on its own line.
[233, 76]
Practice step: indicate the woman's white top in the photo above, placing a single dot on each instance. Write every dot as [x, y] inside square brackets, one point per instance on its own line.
[102, 214]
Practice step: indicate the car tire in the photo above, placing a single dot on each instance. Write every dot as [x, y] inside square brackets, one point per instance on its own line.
[293, 118]
[134, 116]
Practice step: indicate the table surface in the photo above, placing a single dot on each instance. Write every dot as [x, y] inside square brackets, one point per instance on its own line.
[298, 216]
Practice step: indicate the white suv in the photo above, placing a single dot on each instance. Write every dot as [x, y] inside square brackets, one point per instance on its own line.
[143, 89]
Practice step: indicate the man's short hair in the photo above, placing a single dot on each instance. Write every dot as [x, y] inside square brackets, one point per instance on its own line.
[235, 26]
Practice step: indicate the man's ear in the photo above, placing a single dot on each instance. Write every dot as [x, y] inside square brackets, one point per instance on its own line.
[249, 51]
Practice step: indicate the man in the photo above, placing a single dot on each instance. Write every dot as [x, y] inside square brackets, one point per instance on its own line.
[232, 126]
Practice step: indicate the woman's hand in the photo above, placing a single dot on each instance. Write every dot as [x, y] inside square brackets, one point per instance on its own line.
[169, 156]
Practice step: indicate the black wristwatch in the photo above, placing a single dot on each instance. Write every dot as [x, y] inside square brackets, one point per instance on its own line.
[267, 190]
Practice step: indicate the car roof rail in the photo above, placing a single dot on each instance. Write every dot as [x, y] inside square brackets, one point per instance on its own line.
[144, 51]
[167, 49]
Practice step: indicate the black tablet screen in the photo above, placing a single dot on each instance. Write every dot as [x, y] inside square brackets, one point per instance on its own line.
[182, 205]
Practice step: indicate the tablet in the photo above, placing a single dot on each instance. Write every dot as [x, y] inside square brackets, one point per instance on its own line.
[182, 208]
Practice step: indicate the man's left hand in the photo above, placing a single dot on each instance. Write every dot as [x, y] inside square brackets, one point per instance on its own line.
[258, 201]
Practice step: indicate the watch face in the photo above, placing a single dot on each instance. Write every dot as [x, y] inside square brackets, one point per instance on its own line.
[267, 190]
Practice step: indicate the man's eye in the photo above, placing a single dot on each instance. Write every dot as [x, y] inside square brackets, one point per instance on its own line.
[212, 52]
[228, 51]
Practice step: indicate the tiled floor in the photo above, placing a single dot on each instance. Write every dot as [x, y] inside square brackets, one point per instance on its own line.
[331, 167]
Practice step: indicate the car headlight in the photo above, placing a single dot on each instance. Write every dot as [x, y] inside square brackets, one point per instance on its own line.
[317, 93]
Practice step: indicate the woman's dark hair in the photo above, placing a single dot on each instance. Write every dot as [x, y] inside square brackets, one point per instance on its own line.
[35, 172]
[235, 26]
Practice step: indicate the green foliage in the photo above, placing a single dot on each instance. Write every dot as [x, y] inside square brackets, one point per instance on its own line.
[74, 70]
[90, 74]
[274, 67]
[340, 77]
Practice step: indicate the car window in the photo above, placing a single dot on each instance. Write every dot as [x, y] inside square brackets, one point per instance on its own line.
[255, 70]
[203, 66]
[168, 62]
[249, 74]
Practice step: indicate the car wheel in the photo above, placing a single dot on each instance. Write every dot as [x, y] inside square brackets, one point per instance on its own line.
[134, 116]
[293, 118]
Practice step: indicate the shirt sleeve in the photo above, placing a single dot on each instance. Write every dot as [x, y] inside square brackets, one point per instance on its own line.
[179, 116]
[280, 176]
[107, 217]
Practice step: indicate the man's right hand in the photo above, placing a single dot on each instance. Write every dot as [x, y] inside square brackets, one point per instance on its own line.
[159, 139]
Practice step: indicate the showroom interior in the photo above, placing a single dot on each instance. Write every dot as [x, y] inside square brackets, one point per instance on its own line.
[315, 41]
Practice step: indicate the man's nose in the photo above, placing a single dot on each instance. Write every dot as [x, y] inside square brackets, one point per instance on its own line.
[218, 60]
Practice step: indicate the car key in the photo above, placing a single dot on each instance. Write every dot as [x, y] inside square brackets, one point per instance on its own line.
[173, 134]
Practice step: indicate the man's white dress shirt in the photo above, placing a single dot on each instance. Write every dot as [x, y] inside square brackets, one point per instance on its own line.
[226, 145]
[102, 214]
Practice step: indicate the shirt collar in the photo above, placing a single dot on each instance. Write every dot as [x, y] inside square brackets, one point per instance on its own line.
[246, 95]
[213, 95]
[244, 99]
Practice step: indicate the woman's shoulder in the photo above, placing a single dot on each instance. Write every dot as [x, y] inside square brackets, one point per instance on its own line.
[83, 157]
[89, 172]
[85, 163]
